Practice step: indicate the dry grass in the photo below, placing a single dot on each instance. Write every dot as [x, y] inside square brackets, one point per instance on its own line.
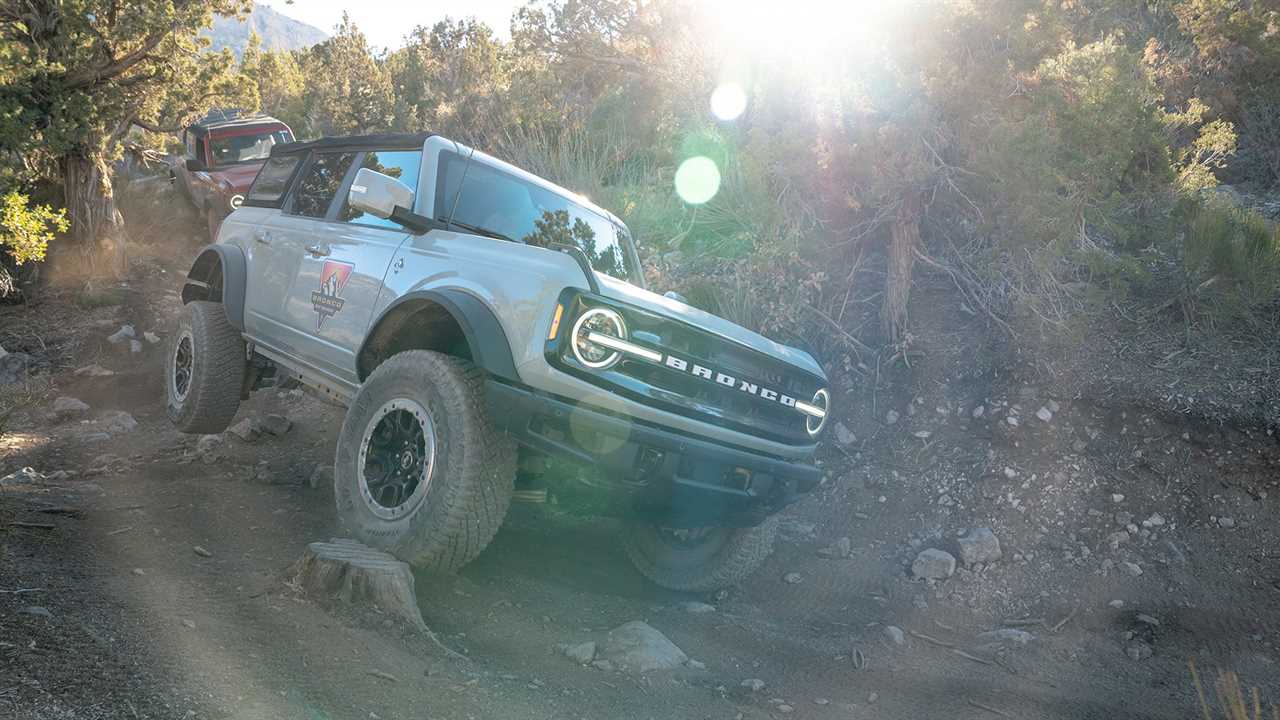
[1232, 701]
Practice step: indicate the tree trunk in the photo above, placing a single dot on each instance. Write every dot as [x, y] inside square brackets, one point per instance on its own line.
[96, 224]
[903, 242]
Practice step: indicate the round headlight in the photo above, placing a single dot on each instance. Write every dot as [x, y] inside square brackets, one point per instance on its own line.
[821, 400]
[236, 201]
[604, 322]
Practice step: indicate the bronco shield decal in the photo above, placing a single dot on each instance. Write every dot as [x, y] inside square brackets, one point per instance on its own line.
[327, 301]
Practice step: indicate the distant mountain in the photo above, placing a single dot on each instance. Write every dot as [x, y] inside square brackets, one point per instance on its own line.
[278, 32]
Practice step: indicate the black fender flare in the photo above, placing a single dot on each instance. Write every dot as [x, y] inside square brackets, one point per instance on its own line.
[490, 349]
[235, 274]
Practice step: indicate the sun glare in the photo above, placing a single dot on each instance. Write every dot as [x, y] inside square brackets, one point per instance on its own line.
[697, 180]
[798, 30]
[728, 101]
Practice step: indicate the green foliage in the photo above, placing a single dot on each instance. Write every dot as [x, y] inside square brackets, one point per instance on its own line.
[347, 89]
[1235, 246]
[25, 229]
[1260, 139]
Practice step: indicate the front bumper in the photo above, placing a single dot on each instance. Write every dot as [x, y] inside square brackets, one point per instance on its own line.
[653, 473]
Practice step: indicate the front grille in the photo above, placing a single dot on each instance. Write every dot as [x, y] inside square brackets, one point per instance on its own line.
[677, 390]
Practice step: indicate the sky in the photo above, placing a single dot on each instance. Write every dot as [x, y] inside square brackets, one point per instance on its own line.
[386, 24]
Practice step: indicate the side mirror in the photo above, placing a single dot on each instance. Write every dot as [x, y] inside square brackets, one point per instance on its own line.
[378, 194]
[194, 165]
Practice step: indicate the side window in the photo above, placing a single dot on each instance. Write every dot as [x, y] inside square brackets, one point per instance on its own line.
[272, 181]
[399, 164]
[199, 148]
[320, 183]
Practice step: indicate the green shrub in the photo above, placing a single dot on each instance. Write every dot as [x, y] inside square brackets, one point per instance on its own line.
[25, 229]
[1231, 258]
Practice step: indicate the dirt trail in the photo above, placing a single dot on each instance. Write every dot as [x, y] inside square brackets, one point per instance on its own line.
[141, 625]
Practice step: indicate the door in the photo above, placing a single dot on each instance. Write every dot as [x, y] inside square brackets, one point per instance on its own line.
[344, 261]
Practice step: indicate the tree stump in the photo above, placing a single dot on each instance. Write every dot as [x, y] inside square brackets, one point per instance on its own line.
[350, 572]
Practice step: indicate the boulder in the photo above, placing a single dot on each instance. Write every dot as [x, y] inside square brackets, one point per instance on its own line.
[638, 647]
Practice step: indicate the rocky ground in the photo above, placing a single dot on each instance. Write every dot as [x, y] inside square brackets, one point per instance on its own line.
[987, 544]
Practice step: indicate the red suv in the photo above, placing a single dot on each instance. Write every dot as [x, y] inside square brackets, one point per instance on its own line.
[223, 155]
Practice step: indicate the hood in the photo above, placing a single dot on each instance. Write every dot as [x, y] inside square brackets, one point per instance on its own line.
[628, 293]
[239, 176]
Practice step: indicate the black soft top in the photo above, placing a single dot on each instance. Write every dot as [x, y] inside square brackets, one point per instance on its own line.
[388, 141]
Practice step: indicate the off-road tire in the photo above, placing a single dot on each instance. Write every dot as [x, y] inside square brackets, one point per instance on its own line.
[216, 370]
[730, 556]
[471, 482]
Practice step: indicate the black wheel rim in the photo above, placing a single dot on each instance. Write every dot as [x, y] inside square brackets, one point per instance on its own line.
[183, 362]
[397, 455]
[685, 538]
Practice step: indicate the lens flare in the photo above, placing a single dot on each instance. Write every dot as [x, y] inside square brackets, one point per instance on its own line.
[728, 101]
[697, 180]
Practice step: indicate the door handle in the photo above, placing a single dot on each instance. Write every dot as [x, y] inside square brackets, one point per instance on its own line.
[317, 250]
[262, 236]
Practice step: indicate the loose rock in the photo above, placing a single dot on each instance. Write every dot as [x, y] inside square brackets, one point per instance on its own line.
[124, 333]
[207, 447]
[151, 337]
[1007, 636]
[94, 371]
[1226, 522]
[841, 548]
[36, 611]
[894, 635]
[792, 578]
[117, 422]
[1138, 650]
[638, 647]
[934, 564]
[979, 546]
[1131, 569]
[66, 408]
[844, 435]
[321, 476]
[201, 551]
[697, 608]
[1045, 414]
[247, 429]
[582, 653]
[891, 417]
[276, 424]
[753, 684]
[21, 477]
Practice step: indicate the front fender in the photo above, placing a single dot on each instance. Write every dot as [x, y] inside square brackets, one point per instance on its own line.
[490, 348]
[230, 261]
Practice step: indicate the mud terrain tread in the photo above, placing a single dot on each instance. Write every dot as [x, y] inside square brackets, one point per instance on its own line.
[458, 520]
[217, 372]
[743, 553]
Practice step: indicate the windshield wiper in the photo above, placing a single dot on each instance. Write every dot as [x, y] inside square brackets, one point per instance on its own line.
[479, 230]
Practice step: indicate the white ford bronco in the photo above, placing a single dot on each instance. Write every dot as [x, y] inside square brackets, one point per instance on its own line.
[476, 321]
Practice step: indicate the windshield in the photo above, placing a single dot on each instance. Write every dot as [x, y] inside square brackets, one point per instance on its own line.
[501, 205]
[232, 149]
